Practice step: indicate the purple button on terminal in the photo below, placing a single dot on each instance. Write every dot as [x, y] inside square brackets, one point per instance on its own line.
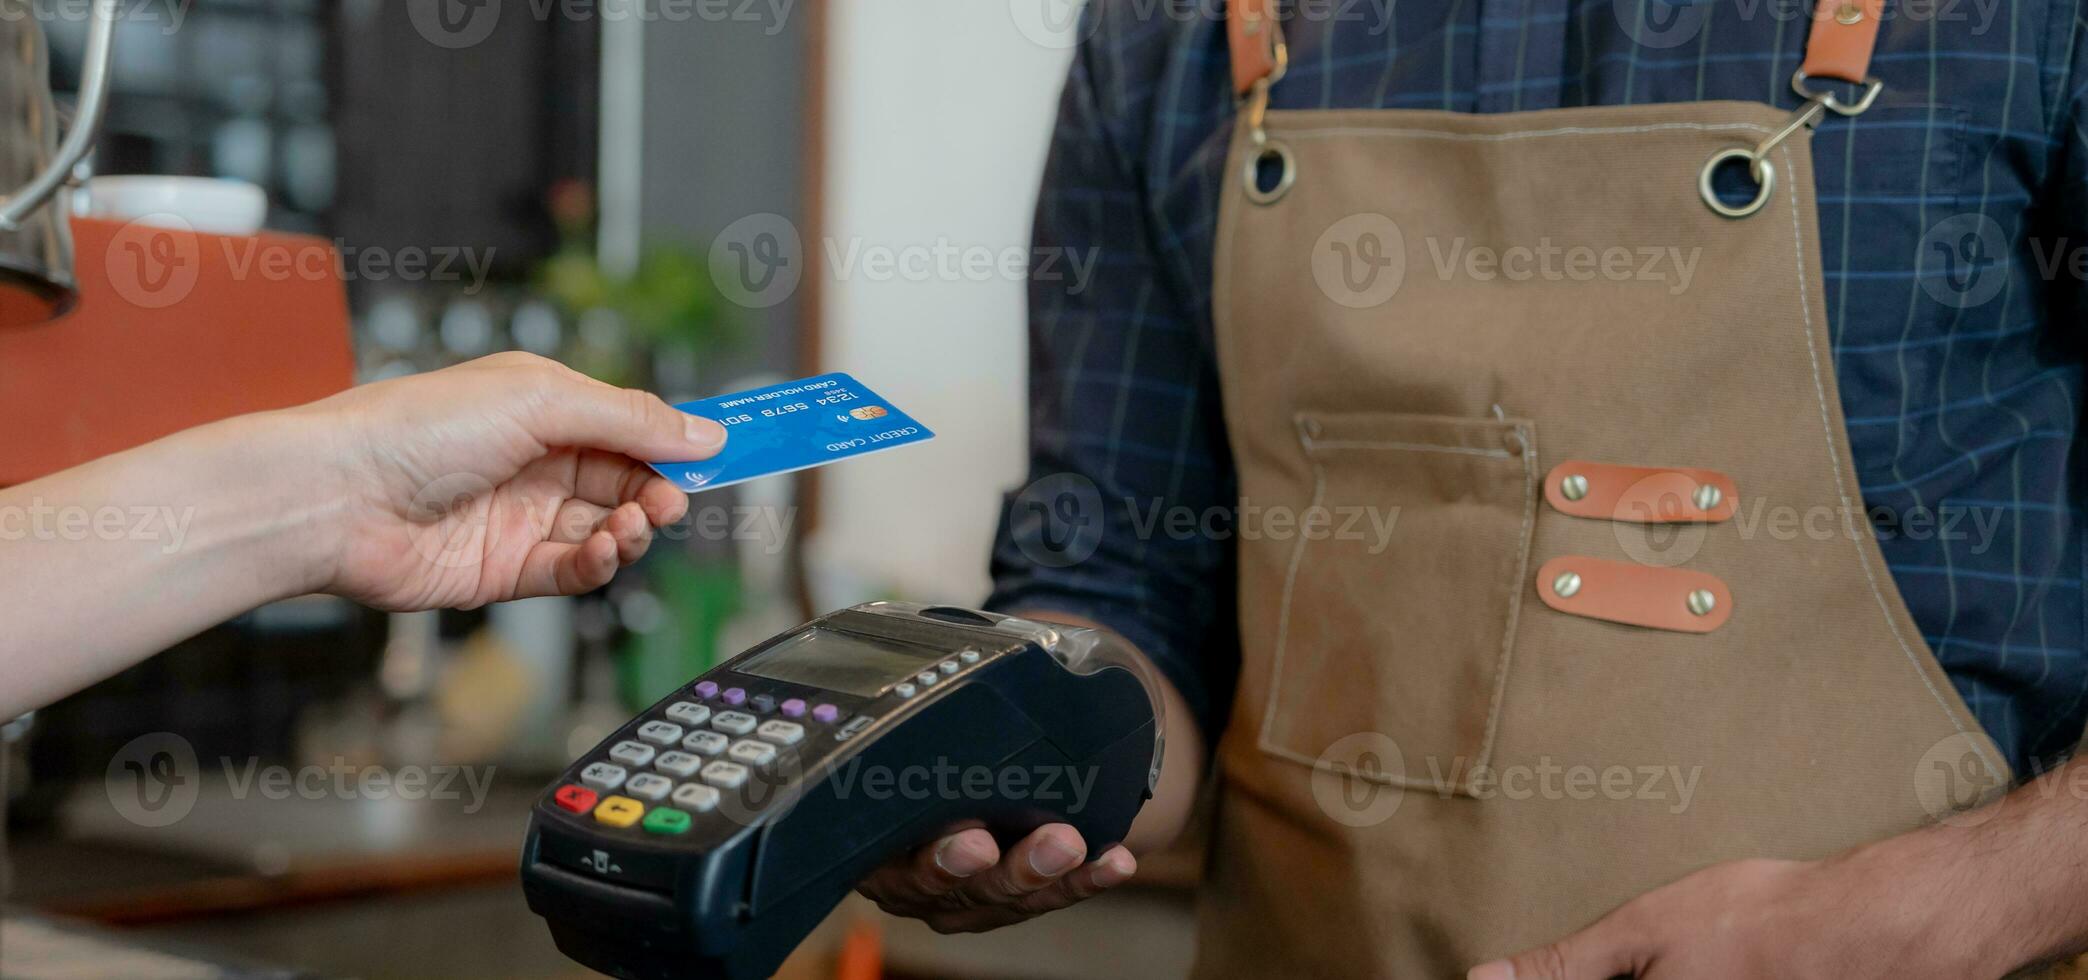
[826, 714]
[734, 695]
[793, 708]
[706, 689]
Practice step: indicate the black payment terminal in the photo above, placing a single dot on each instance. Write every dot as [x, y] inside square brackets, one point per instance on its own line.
[711, 833]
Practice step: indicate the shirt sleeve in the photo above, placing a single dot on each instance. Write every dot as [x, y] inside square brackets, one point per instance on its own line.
[1131, 485]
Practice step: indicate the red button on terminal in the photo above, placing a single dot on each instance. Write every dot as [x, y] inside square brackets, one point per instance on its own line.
[578, 799]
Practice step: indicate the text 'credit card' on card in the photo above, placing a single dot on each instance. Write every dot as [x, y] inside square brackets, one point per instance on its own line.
[793, 426]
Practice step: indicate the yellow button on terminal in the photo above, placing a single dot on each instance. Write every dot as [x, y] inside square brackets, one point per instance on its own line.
[619, 811]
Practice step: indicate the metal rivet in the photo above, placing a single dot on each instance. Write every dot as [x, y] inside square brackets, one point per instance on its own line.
[1566, 584]
[1574, 487]
[1848, 13]
[1708, 497]
[1701, 602]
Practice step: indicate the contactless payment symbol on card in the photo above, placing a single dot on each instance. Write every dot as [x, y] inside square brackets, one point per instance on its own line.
[793, 426]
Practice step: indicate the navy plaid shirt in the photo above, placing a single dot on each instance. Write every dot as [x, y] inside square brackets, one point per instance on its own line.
[1952, 222]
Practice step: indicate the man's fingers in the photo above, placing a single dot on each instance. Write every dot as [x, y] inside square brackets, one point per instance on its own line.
[1113, 868]
[1030, 866]
[1598, 952]
[964, 883]
[577, 411]
[924, 879]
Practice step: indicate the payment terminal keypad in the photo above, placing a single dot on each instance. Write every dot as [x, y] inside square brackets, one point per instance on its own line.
[711, 739]
[680, 765]
[688, 712]
[734, 722]
[603, 776]
[631, 753]
[676, 766]
[749, 752]
[649, 786]
[706, 743]
[660, 732]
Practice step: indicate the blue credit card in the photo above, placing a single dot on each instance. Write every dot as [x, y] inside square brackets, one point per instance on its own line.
[793, 426]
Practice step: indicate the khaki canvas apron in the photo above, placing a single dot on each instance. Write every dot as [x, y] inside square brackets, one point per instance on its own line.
[1568, 674]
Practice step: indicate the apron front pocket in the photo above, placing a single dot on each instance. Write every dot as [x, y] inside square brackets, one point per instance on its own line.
[1398, 611]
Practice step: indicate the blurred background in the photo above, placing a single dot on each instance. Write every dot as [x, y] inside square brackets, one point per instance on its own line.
[689, 197]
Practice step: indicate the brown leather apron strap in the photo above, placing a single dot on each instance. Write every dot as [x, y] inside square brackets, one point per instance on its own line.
[1254, 36]
[1843, 34]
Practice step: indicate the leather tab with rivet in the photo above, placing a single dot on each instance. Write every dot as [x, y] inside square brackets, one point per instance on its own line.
[1640, 494]
[1843, 34]
[1674, 599]
[1251, 28]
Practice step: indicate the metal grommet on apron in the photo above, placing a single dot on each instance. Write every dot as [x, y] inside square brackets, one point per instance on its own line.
[1764, 172]
[1264, 36]
[1566, 589]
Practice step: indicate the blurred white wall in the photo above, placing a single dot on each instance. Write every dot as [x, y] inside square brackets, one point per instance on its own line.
[938, 116]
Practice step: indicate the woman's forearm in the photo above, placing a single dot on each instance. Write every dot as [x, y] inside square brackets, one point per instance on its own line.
[110, 562]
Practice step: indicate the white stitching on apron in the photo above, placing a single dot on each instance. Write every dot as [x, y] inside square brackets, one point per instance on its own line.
[1501, 663]
[1419, 447]
[1522, 574]
[1341, 131]
[1812, 352]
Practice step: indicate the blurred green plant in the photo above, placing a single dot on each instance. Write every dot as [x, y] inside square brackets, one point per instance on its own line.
[668, 303]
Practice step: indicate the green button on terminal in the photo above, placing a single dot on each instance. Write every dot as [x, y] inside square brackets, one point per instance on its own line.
[666, 820]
